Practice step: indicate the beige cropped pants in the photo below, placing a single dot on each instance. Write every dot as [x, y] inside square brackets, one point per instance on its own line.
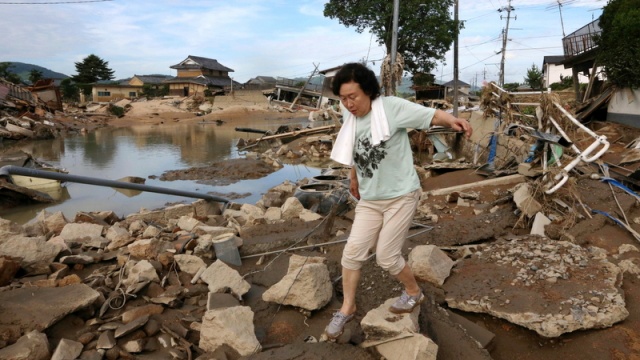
[383, 224]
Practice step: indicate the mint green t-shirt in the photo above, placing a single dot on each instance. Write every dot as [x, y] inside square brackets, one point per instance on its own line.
[386, 171]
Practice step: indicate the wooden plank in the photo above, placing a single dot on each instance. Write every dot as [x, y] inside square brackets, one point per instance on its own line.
[505, 180]
[298, 132]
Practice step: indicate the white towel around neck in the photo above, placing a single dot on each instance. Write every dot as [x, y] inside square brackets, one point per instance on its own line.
[343, 147]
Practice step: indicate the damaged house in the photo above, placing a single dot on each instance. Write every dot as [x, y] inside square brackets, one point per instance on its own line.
[104, 91]
[197, 74]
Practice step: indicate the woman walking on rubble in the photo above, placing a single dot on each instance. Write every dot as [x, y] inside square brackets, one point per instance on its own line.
[373, 140]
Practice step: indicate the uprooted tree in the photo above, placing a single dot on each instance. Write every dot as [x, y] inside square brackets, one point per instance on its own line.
[617, 53]
[90, 70]
[427, 29]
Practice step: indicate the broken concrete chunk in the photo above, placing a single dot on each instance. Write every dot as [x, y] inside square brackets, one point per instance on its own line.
[134, 325]
[188, 223]
[52, 303]
[431, 264]
[118, 237]
[140, 311]
[35, 254]
[219, 276]
[381, 324]
[232, 326]
[291, 208]
[80, 232]
[539, 222]
[306, 285]
[32, 346]
[416, 347]
[533, 267]
[140, 272]
[525, 201]
[67, 349]
[189, 263]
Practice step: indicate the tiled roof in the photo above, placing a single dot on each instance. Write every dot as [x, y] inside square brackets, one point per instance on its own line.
[220, 81]
[153, 79]
[460, 83]
[197, 62]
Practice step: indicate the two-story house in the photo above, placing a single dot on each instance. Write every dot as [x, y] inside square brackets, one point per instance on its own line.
[196, 74]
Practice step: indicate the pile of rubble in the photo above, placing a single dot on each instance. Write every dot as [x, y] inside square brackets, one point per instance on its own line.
[121, 275]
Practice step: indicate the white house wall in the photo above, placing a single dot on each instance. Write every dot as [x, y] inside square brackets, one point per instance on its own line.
[624, 107]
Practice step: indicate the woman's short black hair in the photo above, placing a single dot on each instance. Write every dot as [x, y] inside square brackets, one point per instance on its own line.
[358, 73]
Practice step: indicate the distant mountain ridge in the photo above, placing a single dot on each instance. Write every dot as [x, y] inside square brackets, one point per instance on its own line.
[23, 70]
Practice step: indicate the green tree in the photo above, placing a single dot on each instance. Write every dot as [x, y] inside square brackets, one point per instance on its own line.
[91, 69]
[69, 90]
[617, 52]
[7, 74]
[426, 29]
[511, 86]
[534, 77]
[566, 82]
[35, 75]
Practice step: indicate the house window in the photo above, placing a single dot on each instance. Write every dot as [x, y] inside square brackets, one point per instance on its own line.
[132, 94]
[104, 93]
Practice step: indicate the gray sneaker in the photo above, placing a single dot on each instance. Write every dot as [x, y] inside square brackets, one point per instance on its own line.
[336, 326]
[406, 303]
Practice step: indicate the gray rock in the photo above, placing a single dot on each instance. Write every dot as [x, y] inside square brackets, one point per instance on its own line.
[430, 264]
[219, 276]
[189, 263]
[128, 328]
[416, 347]
[35, 254]
[80, 232]
[307, 284]
[232, 326]
[53, 304]
[67, 349]
[32, 346]
[381, 324]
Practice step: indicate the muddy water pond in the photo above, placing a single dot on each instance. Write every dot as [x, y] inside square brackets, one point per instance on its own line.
[147, 152]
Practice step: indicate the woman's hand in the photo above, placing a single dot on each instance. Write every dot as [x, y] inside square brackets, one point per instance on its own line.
[442, 118]
[353, 184]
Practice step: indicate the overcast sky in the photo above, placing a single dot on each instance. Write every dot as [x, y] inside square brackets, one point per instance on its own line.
[272, 38]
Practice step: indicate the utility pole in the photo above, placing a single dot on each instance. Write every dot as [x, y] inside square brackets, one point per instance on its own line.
[304, 86]
[394, 46]
[455, 62]
[561, 21]
[505, 34]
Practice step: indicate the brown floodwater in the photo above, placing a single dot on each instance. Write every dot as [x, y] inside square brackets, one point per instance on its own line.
[147, 152]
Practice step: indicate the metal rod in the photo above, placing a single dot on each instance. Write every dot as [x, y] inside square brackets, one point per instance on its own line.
[8, 170]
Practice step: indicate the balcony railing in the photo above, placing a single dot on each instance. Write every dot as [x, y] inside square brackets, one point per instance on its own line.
[581, 40]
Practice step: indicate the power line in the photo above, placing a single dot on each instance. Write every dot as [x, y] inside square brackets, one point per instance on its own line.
[52, 2]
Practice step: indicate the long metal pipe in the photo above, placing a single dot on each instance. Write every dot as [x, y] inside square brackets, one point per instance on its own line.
[8, 170]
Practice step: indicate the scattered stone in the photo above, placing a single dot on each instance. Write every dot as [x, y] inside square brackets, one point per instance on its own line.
[306, 285]
[52, 303]
[134, 325]
[34, 253]
[189, 263]
[118, 237]
[106, 340]
[416, 347]
[430, 264]
[380, 324]
[32, 346]
[67, 349]
[220, 277]
[525, 201]
[73, 233]
[231, 326]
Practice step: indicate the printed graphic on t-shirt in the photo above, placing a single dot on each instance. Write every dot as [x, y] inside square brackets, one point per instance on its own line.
[368, 157]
